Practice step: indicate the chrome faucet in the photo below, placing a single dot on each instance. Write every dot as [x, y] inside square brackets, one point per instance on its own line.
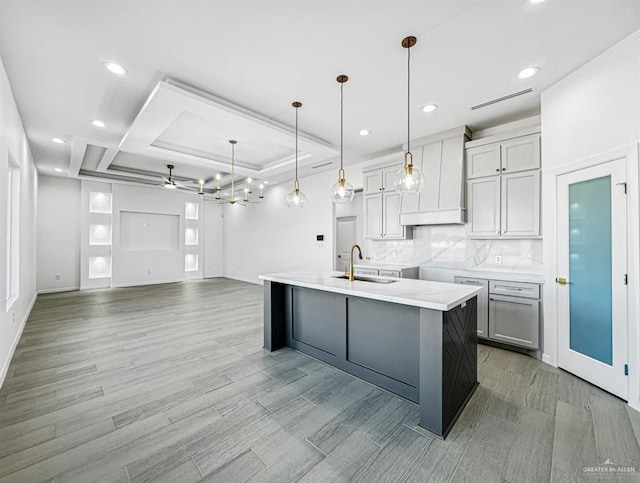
[352, 276]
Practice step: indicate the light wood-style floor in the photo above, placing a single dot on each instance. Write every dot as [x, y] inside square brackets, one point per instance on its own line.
[170, 383]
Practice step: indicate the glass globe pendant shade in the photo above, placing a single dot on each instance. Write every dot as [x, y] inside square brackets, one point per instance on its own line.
[341, 191]
[296, 199]
[409, 179]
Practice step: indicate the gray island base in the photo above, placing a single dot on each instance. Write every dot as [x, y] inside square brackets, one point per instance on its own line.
[426, 355]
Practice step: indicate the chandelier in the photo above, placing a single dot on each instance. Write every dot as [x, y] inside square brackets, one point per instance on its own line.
[231, 198]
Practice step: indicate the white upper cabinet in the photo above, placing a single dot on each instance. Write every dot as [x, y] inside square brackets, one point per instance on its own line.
[504, 188]
[510, 156]
[483, 161]
[372, 182]
[520, 154]
[382, 203]
[520, 204]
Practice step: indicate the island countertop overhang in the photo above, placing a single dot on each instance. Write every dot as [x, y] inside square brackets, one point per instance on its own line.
[418, 293]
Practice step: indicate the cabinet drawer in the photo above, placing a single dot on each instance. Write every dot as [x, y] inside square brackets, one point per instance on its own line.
[389, 273]
[365, 271]
[516, 289]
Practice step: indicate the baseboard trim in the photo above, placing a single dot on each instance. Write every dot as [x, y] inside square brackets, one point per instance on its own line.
[245, 279]
[546, 358]
[14, 344]
[56, 290]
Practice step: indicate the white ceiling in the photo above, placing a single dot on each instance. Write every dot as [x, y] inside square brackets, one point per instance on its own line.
[261, 56]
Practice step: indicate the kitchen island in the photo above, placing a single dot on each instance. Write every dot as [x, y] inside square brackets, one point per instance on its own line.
[412, 337]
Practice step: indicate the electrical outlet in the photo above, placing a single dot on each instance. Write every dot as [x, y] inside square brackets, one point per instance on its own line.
[13, 317]
[497, 259]
[394, 254]
[57, 276]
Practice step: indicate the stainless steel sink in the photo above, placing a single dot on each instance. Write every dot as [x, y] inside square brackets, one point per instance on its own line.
[366, 279]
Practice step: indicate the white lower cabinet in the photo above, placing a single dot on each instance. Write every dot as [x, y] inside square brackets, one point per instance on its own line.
[514, 320]
[511, 319]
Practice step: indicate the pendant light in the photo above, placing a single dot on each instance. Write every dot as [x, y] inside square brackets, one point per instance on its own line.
[341, 191]
[409, 179]
[296, 199]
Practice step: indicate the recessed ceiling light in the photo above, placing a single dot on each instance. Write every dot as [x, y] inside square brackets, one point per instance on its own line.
[58, 170]
[365, 132]
[528, 72]
[265, 182]
[115, 68]
[430, 107]
[58, 140]
[98, 123]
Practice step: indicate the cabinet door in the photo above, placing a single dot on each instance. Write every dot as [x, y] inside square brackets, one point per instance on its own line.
[389, 177]
[373, 216]
[365, 271]
[521, 204]
[389, 273]
[483, 160]
[520, 154]
[484, 207]
[514, 320]
[372, 182]
[391, 227]
[483, 303]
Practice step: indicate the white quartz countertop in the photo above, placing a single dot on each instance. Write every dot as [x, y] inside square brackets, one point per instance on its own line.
[418, 293]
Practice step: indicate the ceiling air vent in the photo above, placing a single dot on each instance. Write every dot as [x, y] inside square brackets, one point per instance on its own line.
[321, 165]
[500, 99]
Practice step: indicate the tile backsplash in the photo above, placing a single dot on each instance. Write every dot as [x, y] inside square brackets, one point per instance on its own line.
[447, 246]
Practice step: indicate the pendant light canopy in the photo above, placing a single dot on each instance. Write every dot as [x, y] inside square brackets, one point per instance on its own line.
[409, 179]
[296, 199]
[342, 190]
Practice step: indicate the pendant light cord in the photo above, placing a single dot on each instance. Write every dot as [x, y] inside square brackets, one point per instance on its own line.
[409, 99]
[233, 171]
[341, 120]
[296, 145]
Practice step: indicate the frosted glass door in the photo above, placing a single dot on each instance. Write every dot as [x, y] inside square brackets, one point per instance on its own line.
[590, 294]
[592, 266]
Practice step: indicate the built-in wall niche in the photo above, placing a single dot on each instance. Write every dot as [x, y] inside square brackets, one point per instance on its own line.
[191, 236]
[191, 210]
[100, 234]
[191, 262]
[99, 267]
[99, 202]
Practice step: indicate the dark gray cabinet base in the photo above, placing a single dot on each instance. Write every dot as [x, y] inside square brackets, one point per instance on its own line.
[424, 355]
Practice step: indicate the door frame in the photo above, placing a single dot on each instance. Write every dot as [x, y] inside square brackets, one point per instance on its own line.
[551, 326]
[609, 377]
[337, 236]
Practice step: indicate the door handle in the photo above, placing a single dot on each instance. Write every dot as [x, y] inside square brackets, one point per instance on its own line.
[561, 281]
[339, 256]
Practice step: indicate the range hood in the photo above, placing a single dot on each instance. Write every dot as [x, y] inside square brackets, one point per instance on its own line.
[442, 199]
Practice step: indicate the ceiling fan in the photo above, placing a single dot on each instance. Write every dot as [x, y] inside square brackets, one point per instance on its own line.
[170, 182]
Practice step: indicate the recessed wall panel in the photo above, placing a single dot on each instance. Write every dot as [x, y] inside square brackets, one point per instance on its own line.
[149, 231]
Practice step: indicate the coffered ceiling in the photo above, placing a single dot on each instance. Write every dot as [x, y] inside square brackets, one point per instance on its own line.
[202, 72]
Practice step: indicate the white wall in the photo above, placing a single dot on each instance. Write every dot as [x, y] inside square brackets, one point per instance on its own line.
[146, 266]
[14, 144]
[594, 110]
[58, 234]
[270, 237]
[213, 264]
